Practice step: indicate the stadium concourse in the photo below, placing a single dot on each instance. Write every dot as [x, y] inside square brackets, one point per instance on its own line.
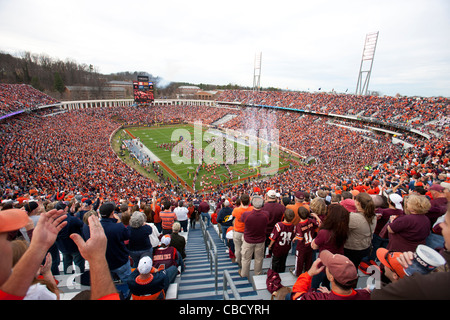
[51, 156]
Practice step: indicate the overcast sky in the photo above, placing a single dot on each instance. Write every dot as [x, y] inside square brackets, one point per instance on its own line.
[305, 45]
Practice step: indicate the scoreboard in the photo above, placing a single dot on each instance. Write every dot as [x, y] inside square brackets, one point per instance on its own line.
[143, 90]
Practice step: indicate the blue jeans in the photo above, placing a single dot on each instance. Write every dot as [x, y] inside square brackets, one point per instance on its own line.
[56, 260]
[208, 218]
[293, 247]
[184, 225]
[435, 241]
[180, 261]
[377, 242]
[171, 273]
[224, 233]
[76, 258]
[123, 273]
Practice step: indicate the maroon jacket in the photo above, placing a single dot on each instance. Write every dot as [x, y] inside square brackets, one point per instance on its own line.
[276, 211]
[255, 225]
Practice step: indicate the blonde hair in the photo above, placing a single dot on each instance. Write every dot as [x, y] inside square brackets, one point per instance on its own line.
[18, 248]
[176, 227]
[87, 215]
[318, 206]
[417, 204]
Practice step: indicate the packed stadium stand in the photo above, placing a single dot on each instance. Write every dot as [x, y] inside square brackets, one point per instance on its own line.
[16, 97]
[67, 156]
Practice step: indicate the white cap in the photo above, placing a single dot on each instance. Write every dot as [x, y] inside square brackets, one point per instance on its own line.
[271, 194]
[397, 200]
[145, 265]
[165, 240]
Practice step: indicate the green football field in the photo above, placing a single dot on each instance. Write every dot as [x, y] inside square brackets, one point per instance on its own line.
[159, 141]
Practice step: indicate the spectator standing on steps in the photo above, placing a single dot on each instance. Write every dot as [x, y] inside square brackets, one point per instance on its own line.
[203, 208]
[225, 218]
[177, 241]
[167, 217]
[254, 236]
[275, 210]
[238, 231]
[362, 225]
[182, 215]
[139, 232]
[280, 241]
[66, 245]
[407, 231]
[117, 254]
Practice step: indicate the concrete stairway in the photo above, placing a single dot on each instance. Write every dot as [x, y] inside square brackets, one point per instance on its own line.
[198, 281]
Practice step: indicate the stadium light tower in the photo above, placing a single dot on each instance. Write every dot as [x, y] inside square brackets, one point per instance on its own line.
[365, 69]
[257, 73]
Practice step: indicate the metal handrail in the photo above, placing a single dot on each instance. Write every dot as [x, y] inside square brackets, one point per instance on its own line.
[214, 259]
[211, 250]
[228, 280]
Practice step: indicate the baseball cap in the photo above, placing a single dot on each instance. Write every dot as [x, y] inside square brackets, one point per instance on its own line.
[272, 194]
[106, 209]
[342, 269]
[12, 219]
[60, 205]
[300, 195]
[397, 200]
[145, 265]
[165, 240]
[389, 260]
[349, 204]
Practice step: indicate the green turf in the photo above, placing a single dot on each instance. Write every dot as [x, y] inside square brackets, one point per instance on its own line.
[152, 137]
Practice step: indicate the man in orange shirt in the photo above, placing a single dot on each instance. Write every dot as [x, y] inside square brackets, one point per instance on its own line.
[238, 234]
[299, 202]
[167, 217]
[156, 209]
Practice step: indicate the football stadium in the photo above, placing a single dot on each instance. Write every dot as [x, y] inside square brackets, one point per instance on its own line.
[229, 194]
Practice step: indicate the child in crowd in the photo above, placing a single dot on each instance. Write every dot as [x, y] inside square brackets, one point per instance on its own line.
[280, 241]
[305, 232]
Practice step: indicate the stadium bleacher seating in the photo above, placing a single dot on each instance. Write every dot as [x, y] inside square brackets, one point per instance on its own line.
[70, 153]
[15, 97]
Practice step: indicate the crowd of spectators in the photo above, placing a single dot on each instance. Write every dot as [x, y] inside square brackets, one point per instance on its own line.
[68, 157]
[15, 97]
[408, 111]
